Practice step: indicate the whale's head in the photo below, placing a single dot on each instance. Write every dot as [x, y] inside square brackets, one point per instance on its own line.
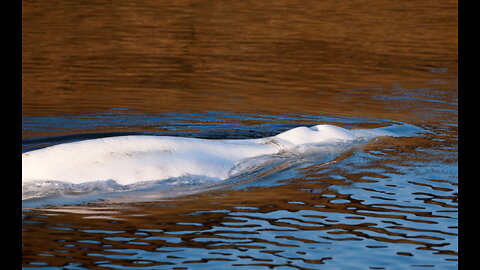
[317, 134]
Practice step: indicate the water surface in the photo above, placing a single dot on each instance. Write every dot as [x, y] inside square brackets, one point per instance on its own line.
[240, 70]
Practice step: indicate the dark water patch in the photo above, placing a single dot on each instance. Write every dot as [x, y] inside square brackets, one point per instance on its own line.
[126, 120]
[208, 125]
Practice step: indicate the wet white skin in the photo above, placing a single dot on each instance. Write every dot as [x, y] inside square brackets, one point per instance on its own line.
[137, 158]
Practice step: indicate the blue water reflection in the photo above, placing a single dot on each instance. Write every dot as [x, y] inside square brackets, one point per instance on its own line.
[389, 204]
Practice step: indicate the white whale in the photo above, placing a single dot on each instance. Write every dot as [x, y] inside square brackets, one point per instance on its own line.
[137, 158]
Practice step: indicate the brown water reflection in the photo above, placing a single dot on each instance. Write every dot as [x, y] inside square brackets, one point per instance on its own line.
[251, 56]
[244, 69]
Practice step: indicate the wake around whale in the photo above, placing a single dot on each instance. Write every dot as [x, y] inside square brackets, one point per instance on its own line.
[132, 159]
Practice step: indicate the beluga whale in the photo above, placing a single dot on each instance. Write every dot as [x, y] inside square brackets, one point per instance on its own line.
[132, 159]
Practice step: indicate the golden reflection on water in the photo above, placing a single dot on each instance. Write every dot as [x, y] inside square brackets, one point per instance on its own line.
[250, 56]
[378, 59]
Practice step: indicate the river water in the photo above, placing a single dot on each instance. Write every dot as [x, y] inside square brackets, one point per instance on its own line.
[242, 70]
